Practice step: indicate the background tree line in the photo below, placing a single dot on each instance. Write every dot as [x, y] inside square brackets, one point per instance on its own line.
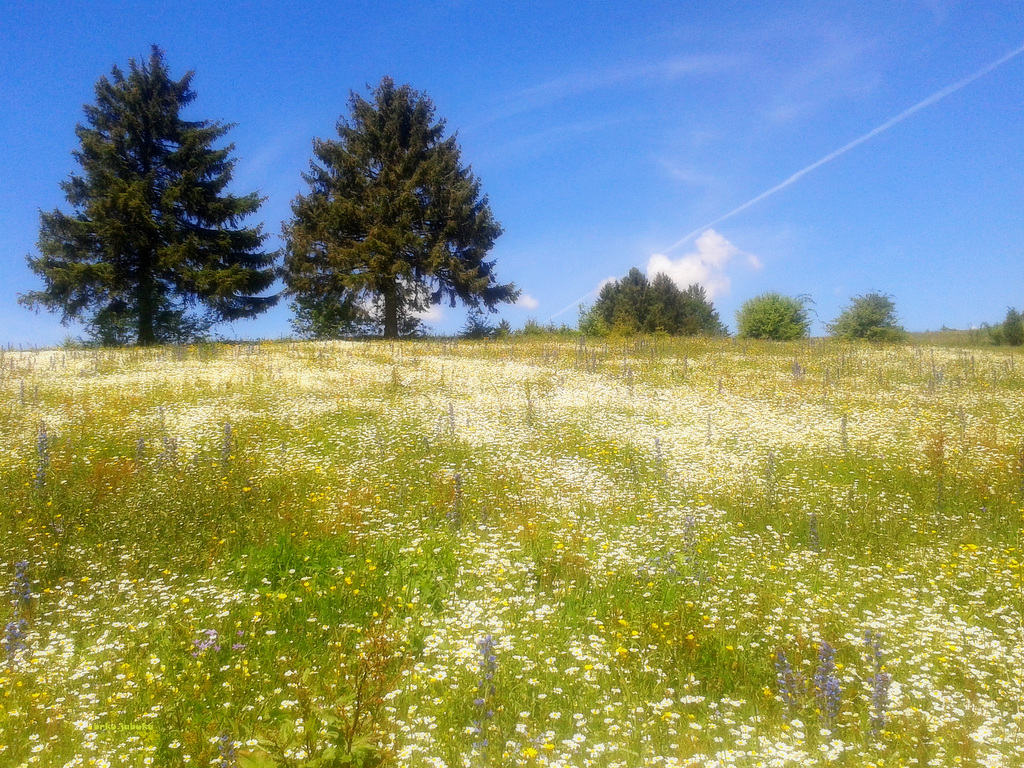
[393, 222]
[636, 305]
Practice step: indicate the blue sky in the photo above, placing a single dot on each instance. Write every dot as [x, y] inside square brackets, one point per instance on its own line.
[603, 134]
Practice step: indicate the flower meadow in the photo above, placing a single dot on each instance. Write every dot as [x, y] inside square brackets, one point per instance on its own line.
[534, 552]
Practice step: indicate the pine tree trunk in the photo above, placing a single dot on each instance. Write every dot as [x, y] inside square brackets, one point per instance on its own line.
[146, 304]
[147, 335]
[391, 311]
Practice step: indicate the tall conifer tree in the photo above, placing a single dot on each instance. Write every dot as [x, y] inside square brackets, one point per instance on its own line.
[153, 235]
[393, 222]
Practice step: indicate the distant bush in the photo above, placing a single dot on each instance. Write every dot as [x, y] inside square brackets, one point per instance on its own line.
[871, 317]
[1013, 328]
[534, 328]
[635, 304]
[477, 327]
[995, 333]
[773, 316]
[1010, 331]
[591, 323]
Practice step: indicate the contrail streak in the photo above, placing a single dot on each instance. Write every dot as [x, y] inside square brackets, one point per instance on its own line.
[937, 96]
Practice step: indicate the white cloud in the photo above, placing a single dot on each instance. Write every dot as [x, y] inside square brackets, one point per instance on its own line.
[707, 265]
[687, 175]
[432, 314]
[648, 74]
[526, 301]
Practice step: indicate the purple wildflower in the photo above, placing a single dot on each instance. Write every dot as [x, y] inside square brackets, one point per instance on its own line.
[204, 644]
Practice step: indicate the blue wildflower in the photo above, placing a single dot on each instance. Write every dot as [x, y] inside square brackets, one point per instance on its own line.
[487, 665]
[879, 682]
[226, 748]
[827, 689]
[788, 681]
[455, 513]
[226, 444]
[21, 588]
[16, 630]
[812, 532]
[14, 637]
[43, 455]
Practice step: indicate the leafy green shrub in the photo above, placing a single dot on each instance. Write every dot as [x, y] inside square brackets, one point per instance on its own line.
[872, 317]
[773, 316]
[591, 323]
[1013, 328]
[995, 333]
